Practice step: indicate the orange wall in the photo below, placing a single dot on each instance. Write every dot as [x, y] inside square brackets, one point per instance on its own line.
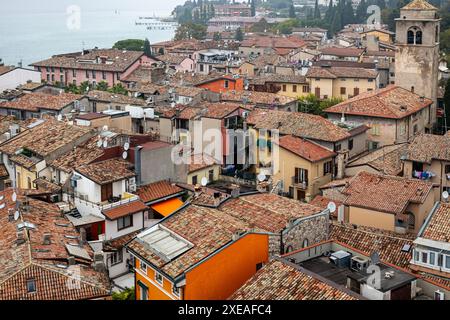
[155, 290]
[218, 86]
[225, 272]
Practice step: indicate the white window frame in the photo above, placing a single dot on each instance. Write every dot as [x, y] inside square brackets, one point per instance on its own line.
[157, 276]
[143, 266]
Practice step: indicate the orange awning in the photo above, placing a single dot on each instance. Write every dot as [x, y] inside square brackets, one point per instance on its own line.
[167, 207]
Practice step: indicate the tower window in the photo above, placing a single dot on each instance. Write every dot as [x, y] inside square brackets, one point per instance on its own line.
[414, 36]
[419, 37]
[410, 37]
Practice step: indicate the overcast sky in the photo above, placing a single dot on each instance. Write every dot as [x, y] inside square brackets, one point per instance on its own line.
[41, 6]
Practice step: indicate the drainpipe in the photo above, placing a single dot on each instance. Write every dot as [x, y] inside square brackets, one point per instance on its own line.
[137, 164]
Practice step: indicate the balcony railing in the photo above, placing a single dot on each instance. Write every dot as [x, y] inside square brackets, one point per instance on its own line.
[299, 183]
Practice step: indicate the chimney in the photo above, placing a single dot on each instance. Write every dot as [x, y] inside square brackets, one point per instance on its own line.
[340, 166]
[10, 215]
[99, 264]
[46, 239]
[82, 237]
[71, 260]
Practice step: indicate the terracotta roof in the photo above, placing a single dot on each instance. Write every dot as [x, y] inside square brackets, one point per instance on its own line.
[386, 160]
[258, 98]
[391, 102]
[427, 147]
[272, 42]
[157, 190]
[438, 227]
[297, 124]
[106, 171]
[305, 149]
[344, 63]
[153, 145]
[336, 183]
[43, 262]
[91, 116]
[3, 172]
[149, 88]
[385, 193]
[201, 161]
[31, 86]
[220, 110]
[419, 5]
[342, 52]
[120, 242]
[322, 203]
[106, 96]
[80, 155]
[125, 210]
[46, 137]
[24, 161]
[282, 281]
[117, 60]
[387, 244]
[36, 101]
[174, 59]
[47, 186]
[341, 72]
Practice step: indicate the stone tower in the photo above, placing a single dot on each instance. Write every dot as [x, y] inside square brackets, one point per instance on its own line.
[417, 56]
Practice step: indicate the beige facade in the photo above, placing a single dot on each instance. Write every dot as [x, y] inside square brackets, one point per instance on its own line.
[343, 88]
[288, 162]
[441, 169]
[211, 173]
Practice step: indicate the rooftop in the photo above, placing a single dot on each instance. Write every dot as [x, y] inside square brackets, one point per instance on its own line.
[297, 124]
[342, 52]
[438, 227]
[258, 98]
[391, 102]
[419, 5]
[106, 171]
[428, 147]
[158, 190]
[125, 209]
[36, 101]
[385, 193]
[341, 72]
[281, 280]
[305, 149]
[106, 96]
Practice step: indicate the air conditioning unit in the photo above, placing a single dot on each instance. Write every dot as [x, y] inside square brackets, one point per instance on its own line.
[438, 295]
[132, 187]
[54, 198]
[359, 263]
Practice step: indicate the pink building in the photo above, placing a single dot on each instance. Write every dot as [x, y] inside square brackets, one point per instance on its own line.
[94, 66]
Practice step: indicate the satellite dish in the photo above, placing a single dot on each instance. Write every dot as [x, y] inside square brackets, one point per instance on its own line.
[1, 198]
[105, 143]
[332, 207]
[124, 155]
[59, 117]
[14, 197]
[105, 128]
[375, 258]
[204, 181]
[2, 206]
[445, 195]
[261, 177]
[16, 215]
[99, 143]
[126, 146]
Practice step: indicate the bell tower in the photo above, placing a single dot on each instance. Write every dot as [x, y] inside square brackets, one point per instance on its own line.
[417, 55]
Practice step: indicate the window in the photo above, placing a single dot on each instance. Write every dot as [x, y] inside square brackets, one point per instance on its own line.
[343, 90]
[355, 91]
[375, 131]
[432, 257]
[124, 222]
[416, 255]
[447, 168]
[327, 168]
[440, 259]
[94, 74]
[194, 180]
[87, 74]
[116, 257]
[53, 69]
[47, 69]
[338, 147]
[305, 243]
[53, 78]
[424, 257]
[410, 37]
[419, 37]
[447, 262]
[31, 285]
[305, 89]
[284, 88]
[29, 182]
[103, 75]
[158, 278]
[61, 78]
[259, 265]
[74, 73]
[175, 290]
[201, 68]
[370, 80]
[143, 291]
[143, 266]
[226, 84]
[48, 77]
[301, 176]
[211, 175]
[350, 144]
[294, 88]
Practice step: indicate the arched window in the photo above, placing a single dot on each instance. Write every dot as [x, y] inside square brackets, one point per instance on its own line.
[305, 243]
[410, 37]
[419, 37]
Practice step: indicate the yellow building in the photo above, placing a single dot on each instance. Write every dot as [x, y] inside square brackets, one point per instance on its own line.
[341, 82]
[303, 167]
[385, 36]
[202, 166]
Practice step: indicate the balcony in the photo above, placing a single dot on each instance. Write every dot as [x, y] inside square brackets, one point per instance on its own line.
[299, 183]
[85, 206]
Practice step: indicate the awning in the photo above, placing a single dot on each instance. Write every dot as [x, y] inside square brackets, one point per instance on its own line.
[167, 207]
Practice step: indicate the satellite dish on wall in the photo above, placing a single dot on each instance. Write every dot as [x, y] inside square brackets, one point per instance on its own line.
[105, 143]
[16, 215]
[332, 207]
[99, 143]
[59, 117]
[261, 177]
[125, 155]
[126, 146]
[204, 181]
[445, 195]
[14, 197]
[1, 198]
[105, 128]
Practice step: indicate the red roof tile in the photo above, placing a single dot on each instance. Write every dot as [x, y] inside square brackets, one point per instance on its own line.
[157, 190]
[305, 149]
[125, 210]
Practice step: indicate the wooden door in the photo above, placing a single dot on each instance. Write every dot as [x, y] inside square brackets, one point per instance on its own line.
[106, 192]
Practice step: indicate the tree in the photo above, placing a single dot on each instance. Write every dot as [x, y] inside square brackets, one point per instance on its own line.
[239, 36]
[348, 16]
[72, 88]
[261, 26]
[130, 44]
[253, 8]
[118, 89]
[313, 105]
[147, 48]
[84, 87]
[330, 11]
[190, 31]
[361, 12]
[127, 294]
[217, 36]
[445, 41]
[292, 14]
[102, 86]
[316, 9]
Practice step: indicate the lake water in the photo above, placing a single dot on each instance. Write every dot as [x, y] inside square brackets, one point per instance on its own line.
[38, 36]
